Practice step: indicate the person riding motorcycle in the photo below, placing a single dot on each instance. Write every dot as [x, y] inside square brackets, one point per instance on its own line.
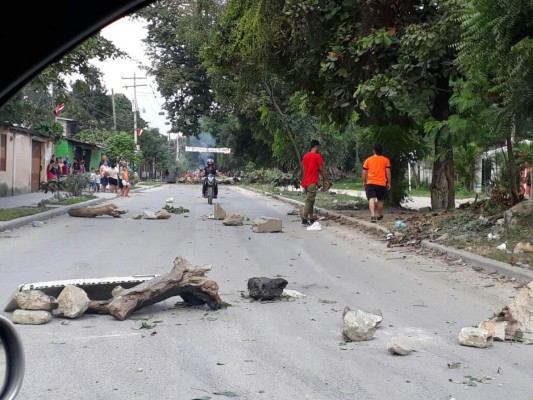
[210, 169]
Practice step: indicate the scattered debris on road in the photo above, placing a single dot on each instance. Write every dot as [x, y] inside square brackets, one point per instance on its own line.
[31, 317]
[73, 302]
[266, 288]
[219, 213]
[35, 300]
[92, 212]
[400, 345]
[358, 326]
[475, 337]
[233, 220]
[518, 316]
[163, 214]
[267, 225]
[315, 226]
[176, 210]
[185, 280]
[292, 294]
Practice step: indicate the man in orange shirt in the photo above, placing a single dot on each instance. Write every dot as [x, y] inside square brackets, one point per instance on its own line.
[377, 180]
[312, 165]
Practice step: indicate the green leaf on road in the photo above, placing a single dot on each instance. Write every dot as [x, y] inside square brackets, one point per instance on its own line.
[203, 398]
[226, 393]
[346, 391]
[146, 325]
[454, 365]
[325, 301]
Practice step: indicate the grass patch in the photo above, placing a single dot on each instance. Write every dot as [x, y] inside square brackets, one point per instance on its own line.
[7, 214]
[323, 199]
[75, 200]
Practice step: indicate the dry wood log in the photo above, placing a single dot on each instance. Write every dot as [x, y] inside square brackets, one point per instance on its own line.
[98, 307]
[91, 212]
[185, 280]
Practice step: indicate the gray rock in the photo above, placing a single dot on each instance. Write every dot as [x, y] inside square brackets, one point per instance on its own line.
[378, 315]
[400, 345]
[496, 329]
[138, 216]
[358, 325]
[163, 214]
[475, 337]
[266, 288]
[219, 212]
[424, 210]
[519, 214]
[31, 317]
[521, 308]
[267, 225]
[73, 302]
[149, 215]
[35, 300]
[233, 220]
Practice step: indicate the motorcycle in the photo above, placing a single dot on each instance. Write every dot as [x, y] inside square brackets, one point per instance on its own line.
[211, 182]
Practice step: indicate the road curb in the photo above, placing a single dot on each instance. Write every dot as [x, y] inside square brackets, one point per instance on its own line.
[43, 216]
[487, 264]
[475, 260]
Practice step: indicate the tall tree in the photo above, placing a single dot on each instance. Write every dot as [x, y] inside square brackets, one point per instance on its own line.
[177, 32]
[496, 53]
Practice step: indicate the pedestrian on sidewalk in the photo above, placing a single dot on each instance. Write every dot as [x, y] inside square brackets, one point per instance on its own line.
[377, 181]
[125, 180]
[104, 175]
[312, 165]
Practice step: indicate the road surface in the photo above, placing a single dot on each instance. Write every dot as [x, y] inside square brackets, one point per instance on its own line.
[276, 350]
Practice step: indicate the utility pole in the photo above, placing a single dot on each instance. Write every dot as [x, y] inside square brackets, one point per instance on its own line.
[135, 107]
[114, 110]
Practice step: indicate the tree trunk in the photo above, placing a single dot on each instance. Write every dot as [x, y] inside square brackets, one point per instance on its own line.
[443, 177]
[183, 280]
[270, 93]
[511, 166]
[91, 212]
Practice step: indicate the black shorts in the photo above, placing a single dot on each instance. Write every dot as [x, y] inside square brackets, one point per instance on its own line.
[113, 182]
[104, 181]
[376, 191]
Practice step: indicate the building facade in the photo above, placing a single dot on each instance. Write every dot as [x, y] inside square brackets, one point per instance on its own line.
[24, 154]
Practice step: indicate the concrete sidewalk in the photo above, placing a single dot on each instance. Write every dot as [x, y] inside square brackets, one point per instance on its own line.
[24, 200]
[413, 203]
[32, 199]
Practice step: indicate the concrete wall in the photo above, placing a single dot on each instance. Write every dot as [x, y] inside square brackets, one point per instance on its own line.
[17, 177]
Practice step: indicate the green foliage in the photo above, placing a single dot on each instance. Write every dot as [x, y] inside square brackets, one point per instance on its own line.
[177, 31]
[95, 136]
[50, 129]
[121, 146]
[75, 184]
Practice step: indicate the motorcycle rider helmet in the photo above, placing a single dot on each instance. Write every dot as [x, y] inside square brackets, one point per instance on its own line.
[210, 161]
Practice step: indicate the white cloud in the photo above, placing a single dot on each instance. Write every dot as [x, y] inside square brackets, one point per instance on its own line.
[127, 34]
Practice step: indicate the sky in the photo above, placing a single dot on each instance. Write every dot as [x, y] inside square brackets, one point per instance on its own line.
[127, 34]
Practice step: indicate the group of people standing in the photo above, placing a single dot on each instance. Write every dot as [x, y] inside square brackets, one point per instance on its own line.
[376, 180]
[109, 174]
[58, 167]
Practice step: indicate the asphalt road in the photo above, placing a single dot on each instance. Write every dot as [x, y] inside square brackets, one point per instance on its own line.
[281, 350]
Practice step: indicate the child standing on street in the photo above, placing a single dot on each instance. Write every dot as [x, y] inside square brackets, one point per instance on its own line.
[125, 181]
[95, 180]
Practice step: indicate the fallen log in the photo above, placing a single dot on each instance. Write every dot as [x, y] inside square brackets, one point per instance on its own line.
[183, 280]
[98, 307]
[92, 212]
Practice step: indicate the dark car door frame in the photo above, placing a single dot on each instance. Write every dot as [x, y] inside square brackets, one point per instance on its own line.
[35, 34]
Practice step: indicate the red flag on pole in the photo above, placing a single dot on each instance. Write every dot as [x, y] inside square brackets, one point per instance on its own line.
[139, 132]
[58, 109]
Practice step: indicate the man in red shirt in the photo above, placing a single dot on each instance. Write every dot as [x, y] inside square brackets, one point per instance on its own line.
[377, 180]
[312, 165]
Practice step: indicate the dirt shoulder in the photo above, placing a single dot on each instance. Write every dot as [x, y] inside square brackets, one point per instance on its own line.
[477, 227]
